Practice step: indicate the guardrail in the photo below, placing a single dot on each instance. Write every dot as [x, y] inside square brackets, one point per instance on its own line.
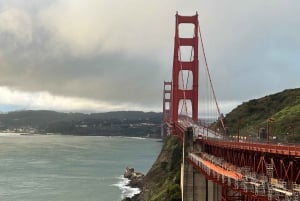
[291, 150]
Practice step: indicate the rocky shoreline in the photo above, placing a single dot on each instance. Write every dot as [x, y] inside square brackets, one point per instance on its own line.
[132, 175]
[135, 181]
[162, 182]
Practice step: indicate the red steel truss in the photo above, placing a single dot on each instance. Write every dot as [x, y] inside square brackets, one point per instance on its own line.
[284, 159]
[244, 182]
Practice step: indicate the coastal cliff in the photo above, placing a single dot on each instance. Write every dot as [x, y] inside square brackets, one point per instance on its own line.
[162, 182]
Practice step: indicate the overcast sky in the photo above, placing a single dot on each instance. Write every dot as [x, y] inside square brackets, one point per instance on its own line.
[103, 55]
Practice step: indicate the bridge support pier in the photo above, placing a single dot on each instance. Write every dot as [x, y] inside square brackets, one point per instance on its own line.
[194, 185]
[200, 189]
[187, 170]
[214, 191]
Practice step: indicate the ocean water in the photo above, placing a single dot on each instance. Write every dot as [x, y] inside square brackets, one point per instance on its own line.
[71, 168]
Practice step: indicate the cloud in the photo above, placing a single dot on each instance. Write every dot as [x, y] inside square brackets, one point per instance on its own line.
[120, 52]
[15, 28]
[45, 101]
[251, 48]
[92, 27]
[64, 56]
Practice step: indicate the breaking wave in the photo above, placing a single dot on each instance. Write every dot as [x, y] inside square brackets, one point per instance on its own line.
[127, 191]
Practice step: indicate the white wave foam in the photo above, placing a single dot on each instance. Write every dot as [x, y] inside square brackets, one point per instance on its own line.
[126, 137]
[9, 134]
[127, 191]
[138, 138]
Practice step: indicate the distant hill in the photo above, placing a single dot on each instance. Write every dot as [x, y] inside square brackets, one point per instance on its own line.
[129, 123]
[130, 115]
[36, 118]
[282, 108]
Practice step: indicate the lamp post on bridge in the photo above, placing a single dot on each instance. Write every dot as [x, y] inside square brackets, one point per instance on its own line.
[268, 129]
[292, 127]
[239, 126]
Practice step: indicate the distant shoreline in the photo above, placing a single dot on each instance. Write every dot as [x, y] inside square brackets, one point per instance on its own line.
[57, 134]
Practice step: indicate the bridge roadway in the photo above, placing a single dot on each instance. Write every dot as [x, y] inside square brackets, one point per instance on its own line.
[245, 170]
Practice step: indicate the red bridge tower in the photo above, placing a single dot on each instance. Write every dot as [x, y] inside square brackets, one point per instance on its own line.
[190, 66]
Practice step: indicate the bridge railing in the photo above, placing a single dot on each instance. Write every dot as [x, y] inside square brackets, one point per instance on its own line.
[292, 150]
[215, 138]
[200, 130]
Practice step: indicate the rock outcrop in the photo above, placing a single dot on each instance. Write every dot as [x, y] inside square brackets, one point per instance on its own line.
[132, 175]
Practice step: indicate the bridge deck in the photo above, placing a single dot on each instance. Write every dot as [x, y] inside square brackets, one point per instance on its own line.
[219, 170]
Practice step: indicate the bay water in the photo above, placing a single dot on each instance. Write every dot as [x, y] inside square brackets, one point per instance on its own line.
[71, 168]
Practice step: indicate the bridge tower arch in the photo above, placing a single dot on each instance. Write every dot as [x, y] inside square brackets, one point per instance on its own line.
[179, 65]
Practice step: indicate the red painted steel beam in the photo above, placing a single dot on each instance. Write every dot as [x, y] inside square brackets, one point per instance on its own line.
[186, 19]
[286, 167]
[259, 147]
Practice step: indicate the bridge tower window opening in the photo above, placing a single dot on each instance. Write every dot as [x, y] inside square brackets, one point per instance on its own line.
[186, 30]
[185, 80]
[185, 109]
[168, 86]
[167, 96]
[186, 53]
[167, 106]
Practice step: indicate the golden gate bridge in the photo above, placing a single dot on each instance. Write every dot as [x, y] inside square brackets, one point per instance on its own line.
[216, 167]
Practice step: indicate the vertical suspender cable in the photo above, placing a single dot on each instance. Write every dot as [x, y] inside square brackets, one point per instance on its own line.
[211, 85]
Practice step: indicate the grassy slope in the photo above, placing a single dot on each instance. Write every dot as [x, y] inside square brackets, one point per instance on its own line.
[283, 108]
[162, 182]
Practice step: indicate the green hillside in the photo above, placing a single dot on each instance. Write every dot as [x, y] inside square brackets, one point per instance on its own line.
[281, 109]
